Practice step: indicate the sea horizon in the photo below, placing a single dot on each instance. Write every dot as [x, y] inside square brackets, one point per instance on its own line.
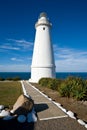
[27, 75]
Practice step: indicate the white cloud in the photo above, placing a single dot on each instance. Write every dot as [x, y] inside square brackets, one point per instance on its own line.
[16, 59]
[15, 68]
[9, 47]
[16, 45]
[67, 59]
[13, 59]
[22, 43]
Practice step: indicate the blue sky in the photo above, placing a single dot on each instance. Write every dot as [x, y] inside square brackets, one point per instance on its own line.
[69, 33]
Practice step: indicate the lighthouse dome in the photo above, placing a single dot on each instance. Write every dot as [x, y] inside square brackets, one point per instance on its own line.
[43, 20]
[43, 14]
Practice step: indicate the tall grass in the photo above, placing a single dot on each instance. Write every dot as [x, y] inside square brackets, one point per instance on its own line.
[9, 92]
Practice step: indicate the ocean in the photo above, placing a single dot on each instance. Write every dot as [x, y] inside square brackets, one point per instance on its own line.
[27, 75]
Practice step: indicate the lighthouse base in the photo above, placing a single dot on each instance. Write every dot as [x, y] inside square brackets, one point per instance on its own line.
[38, 73]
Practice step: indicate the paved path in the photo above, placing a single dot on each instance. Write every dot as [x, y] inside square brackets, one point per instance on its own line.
[49, 115]
[44, 107]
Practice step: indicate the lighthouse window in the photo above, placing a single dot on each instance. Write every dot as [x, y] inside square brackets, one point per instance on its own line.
[43, 28]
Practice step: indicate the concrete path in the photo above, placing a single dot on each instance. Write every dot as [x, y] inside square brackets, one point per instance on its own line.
[44, 107]
[50, 117]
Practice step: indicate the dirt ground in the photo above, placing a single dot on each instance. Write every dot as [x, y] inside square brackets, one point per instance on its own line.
[78, 107]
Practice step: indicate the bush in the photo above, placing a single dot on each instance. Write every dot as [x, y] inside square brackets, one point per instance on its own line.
[79, 94]
[70, 87]
[54, 84]
[65, 89]
[16, 78]
[74, 87]
[9, 78]
[2, 79]
[79, 91]
[44, 82]
[50, 83]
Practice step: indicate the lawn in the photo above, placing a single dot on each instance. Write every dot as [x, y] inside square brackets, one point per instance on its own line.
[9, 92]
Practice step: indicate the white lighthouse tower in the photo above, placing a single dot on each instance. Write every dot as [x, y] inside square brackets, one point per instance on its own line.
[43, 59]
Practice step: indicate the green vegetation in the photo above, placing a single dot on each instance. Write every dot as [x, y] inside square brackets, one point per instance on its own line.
[16, 78]
[11, 79]
[50, 83]
[44, 82]
[9, 92]
[2, 79]
[70, 87]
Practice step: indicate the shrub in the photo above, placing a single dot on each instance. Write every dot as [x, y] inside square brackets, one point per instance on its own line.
[70, 87]
[79, 94]
[16, 78]
[44, 81]
[79, 91]
[74, 87]
[50, 83]
[2, 79]
[65, 89]
[9, 78]
[54, 84]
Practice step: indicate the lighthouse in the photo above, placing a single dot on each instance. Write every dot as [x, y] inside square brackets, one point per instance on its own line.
[43, 64]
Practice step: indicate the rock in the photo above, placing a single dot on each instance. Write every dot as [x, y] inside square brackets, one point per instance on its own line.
[31, 117]
[4, 113]
[58, 104]
[23, 105]
[85, 125]
[63, 109]
[1, 107]
[71, 114]
[81, 122]
[11, 111]
[9, 117]
[50, 99]
[21, 118]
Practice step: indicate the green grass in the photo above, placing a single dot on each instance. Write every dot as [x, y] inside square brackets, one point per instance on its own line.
[9, 92]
